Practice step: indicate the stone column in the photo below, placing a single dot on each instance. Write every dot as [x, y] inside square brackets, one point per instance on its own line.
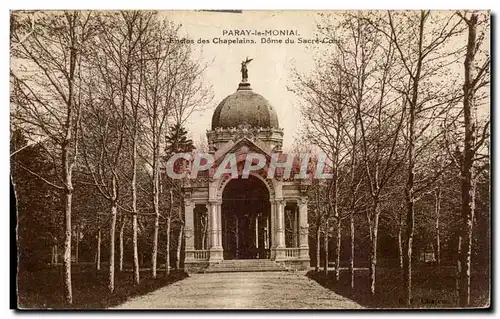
[268, 231]
[295, 230]
[272, 230]
[304, 230]
[219, 224]
[215, 230]
[209, 226]
[280, 229]
[189, 229]
[257, 232]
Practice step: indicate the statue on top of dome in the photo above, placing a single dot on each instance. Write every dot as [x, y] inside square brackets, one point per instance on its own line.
[244, 70]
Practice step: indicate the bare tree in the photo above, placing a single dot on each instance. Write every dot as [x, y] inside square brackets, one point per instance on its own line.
[48, 52]
[355, 85]
[120, 241]
[476, 68]
[437, 194]
[165, 63]
[367, 61]
[425, 35]
[112, 111]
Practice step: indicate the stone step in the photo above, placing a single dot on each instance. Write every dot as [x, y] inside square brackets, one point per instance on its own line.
[249, 263]
[222, 270]
[245, 265]
[250, 266]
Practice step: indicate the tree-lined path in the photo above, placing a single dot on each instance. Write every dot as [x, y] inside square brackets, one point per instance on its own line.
[245, 290]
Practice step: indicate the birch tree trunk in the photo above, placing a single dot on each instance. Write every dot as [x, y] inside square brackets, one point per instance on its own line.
[438, 237]
[98, 253]
[53, 255]
[179, 246]
[133, 185]
[326, 247]
[354, 188]
[400, 241]
[155, 246]
[135, 250]
[112, 233]
[68, 291]
[373, 248]
[204, 233]
[122, 227]
[318, 244]
[459, 267]
[351, 257]
[77, 248]
[156, 204]
[409, 188]
[167, 252]
[467, 174]
[339, 241]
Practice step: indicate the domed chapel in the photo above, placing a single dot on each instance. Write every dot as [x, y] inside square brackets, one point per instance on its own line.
[255, 218]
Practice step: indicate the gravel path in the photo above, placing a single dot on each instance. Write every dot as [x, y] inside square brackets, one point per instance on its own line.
[250, 290]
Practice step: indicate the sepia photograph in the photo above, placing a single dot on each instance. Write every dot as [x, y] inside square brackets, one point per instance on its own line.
[250, 159]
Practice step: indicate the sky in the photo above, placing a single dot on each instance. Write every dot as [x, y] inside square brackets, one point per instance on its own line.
[269, 72]
[272, 66]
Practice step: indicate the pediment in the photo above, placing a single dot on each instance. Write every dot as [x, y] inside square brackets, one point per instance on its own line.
[241, 147]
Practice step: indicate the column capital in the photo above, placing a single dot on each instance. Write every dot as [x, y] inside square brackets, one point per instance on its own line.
[188, 203]
[279, 200]
[214, 202]
[188, 232]
[302, 201]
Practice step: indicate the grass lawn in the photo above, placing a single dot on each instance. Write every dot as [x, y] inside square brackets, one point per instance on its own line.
[44, 288]
[433, 287]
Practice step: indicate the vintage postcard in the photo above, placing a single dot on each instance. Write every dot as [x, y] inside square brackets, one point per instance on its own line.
[251, 159]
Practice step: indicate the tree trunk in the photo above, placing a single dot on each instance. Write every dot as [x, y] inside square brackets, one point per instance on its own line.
[77, 248]
[68, 291]
[409, 187]
[466, 253]
[98, 254]
[155, 246]
[135, 249]
[339, 241]
[326, 247]
[204, 235]
[112, 231]
[373, 250]
[400, 241]
[54, 252]
[351, 257]
[122, 227]
[167, 253]
[354, 189]
[133, 186]
[318, 242]
[438, 237]
[156, 206]
[179, 246]
[53, 257]
[410, 225]
[459, 266]
[467, 174]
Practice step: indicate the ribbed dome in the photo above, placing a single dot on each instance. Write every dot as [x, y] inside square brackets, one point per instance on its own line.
[244, 107]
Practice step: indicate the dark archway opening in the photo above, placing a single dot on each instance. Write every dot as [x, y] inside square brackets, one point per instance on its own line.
[246, 219]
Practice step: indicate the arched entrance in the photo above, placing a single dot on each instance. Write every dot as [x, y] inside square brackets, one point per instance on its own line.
[246, 219]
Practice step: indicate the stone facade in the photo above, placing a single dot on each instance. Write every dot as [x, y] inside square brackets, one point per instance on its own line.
[277, 222]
